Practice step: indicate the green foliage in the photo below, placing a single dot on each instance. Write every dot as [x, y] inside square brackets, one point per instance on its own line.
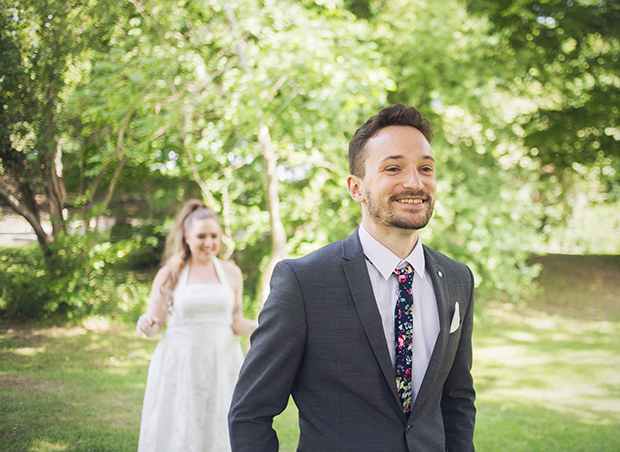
[24, 282]
[85, 278]
[484, 215]
[145, 246]
[563, 58]
[126, 109]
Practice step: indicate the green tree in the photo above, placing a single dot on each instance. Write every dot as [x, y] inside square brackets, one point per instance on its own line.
[441, 58]
[124, 109]
[564, 58]
[42, 44]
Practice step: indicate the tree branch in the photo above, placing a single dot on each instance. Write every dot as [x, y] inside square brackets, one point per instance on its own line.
[43, 238]
[278, 234]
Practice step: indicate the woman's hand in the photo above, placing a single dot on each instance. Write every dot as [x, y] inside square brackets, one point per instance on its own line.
[147, 325]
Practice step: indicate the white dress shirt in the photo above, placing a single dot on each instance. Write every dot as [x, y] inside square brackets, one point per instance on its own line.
[381, 264]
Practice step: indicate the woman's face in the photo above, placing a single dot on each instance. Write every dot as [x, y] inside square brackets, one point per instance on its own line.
[203, 239]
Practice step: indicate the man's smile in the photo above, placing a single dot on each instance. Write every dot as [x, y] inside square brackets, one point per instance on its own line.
[410, 201]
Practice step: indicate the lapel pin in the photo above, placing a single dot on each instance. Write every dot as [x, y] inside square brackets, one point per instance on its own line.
[440, 274]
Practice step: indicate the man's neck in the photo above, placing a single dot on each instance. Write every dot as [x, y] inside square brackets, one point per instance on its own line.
[399, 241]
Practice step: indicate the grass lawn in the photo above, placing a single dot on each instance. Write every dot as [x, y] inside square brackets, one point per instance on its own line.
[547, 374]
[75, 388]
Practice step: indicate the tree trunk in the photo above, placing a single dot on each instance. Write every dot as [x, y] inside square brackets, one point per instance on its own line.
[206, 193]
[278, 234]
[118, 153]
[26, 206]
[55, 188]
[50, 156]
[229, 246]
[42, 237]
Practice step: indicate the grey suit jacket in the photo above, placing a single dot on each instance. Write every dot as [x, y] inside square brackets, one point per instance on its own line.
[320, 338]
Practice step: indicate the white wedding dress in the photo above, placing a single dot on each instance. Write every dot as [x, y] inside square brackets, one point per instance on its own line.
[193, 372]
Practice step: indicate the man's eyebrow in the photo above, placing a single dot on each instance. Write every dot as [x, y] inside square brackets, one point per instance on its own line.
[400, 157]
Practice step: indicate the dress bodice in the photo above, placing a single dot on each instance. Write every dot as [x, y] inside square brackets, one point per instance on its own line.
[202, 305]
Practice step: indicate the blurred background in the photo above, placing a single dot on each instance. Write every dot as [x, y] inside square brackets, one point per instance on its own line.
[113, 113]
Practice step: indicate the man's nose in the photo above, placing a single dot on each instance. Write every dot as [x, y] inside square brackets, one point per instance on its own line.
[413, 180]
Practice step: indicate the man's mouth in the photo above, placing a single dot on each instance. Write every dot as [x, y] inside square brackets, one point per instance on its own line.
[410, 201]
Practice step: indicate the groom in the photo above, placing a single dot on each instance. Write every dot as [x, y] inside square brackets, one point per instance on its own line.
[370, 335]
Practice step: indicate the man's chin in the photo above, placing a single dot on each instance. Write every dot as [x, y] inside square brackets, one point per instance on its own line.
[411, 223]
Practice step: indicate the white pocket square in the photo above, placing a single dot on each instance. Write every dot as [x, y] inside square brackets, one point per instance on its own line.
[456, 318]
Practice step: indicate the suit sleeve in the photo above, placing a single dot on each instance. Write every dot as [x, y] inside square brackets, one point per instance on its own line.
[457, 404]
[271, 366]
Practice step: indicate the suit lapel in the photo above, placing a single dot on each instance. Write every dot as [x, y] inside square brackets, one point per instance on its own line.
[440, 285]
[360, 286]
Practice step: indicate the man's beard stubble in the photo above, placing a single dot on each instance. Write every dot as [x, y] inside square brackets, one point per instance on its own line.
[390, 218]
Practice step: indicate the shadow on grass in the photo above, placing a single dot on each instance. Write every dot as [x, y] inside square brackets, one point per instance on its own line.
[579, 286]
[546, 382]
[71, 388]
[518, 427]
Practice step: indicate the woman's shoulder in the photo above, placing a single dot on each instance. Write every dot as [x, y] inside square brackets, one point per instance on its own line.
[162, 273]
[230, 267]
[232, 270]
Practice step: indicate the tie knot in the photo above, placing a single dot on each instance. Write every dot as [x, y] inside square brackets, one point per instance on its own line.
[404, 271]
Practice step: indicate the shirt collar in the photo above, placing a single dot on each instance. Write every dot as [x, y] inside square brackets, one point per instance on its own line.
[385, 261]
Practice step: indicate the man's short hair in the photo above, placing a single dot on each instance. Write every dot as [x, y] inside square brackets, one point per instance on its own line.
[394, 115]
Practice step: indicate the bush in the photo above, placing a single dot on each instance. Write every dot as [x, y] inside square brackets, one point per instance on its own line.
[24, 282]
[147, 244]
[82, 277]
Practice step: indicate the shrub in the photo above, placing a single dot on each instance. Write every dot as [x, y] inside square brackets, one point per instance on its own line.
[24, 282]
[84, 276]
[147, 244]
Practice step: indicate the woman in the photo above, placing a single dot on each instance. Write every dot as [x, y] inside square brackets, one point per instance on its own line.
[195, 365]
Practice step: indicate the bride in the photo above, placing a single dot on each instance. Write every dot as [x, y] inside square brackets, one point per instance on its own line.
[195, 365]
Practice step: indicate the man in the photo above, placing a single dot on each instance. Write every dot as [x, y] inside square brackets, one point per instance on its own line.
[373, 362]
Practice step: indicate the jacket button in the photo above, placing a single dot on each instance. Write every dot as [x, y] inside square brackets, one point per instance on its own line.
[408, 428]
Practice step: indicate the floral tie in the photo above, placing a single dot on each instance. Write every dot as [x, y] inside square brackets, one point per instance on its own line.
[403, 333]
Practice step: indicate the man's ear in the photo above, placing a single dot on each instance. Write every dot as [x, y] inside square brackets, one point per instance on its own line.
[354, 184]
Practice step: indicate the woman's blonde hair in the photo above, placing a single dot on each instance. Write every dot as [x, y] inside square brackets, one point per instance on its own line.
[177, 252]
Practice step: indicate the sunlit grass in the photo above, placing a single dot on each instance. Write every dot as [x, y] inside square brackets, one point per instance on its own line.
[46, 446]
[563, 364]
[547, 378]
[82, 393]
[544, 382]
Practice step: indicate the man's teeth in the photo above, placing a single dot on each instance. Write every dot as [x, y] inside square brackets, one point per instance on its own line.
[411, 201]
